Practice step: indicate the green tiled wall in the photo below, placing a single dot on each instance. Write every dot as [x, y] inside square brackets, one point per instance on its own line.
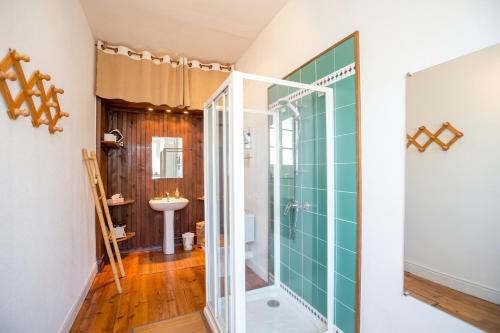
[303, 259]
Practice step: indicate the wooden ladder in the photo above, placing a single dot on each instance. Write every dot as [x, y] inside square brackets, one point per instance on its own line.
[108, 232]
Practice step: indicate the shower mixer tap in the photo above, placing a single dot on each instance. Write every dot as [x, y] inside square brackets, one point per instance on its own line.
[291, 210]
[292, 218]
[296, 206]
[291, 205]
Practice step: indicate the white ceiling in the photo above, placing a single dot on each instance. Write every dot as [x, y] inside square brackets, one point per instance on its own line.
[208, 30]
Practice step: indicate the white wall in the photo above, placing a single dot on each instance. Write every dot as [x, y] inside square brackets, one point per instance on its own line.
[256, 190]
[47, 241]
[396, 37]
[452, 210]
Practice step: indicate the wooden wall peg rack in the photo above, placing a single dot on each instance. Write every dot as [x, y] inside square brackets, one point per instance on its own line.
[29, 91]
[433, 137]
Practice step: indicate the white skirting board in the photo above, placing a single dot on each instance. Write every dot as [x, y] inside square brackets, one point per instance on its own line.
[73, 312]
[211, 320]
[454, 282]
[259, 270]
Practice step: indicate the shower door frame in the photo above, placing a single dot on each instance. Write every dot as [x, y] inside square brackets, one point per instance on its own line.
[235, 264]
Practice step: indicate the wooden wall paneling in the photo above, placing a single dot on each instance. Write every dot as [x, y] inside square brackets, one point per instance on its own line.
[143, 224]
[200, 209]
[137, 181]
[125, 172]
[179, 131]
[127, 126]
[161, 183]
[154, 224]
[129, 173]
[135, 177]
[147, 234]
[102, 158]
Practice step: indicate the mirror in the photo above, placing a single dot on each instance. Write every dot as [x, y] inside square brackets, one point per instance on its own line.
[167, 157]
[452, 208]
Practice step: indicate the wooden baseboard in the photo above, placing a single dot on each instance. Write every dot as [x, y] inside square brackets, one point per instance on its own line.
[100, 264]
[454, 282]
[73, 311]
[142, 249]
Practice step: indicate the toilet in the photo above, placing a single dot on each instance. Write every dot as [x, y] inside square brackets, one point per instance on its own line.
[249, 227]
[249, 233]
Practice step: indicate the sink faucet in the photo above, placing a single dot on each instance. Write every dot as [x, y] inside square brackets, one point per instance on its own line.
[167, 195]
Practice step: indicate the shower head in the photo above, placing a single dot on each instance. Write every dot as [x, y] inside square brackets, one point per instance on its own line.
[287, 103]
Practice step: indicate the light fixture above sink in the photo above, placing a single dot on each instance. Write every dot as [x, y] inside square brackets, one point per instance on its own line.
[168, 206]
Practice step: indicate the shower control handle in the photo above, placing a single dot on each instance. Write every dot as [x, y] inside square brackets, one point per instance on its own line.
[291, 205]
[296, 206]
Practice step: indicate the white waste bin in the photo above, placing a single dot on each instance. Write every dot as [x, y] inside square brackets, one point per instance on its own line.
[187, 241]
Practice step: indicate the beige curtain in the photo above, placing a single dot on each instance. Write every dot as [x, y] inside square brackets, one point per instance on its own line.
[200, 85]
[121, 77]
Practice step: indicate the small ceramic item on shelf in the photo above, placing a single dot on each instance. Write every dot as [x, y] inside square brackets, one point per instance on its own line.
[109, 137]
[120, 231]
[116, 198]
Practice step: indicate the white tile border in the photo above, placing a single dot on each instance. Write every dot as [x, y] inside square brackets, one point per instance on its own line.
[327, 80]
[304, 304]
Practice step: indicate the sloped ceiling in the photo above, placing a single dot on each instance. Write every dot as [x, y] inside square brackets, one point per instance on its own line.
[208, 30]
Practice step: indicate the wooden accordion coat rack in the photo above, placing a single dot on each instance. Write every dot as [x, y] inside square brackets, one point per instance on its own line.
[11, 70]
[433, 137]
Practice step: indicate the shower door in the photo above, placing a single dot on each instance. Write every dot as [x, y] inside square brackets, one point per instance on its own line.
[229, 305]
[216, 187]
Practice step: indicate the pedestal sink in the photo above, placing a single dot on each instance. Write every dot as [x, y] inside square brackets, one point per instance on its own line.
[168, 206]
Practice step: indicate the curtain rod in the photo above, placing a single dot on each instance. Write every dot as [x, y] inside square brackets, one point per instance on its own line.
[106, 46]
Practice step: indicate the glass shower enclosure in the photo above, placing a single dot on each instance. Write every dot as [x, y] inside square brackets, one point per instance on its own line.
[269, 206]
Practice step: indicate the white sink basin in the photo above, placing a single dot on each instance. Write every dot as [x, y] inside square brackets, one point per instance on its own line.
[165, 204]
[168, 206]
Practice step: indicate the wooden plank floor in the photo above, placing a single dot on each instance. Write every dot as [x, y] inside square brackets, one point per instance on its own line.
[478, 312]
[157, 287]
[191, 323]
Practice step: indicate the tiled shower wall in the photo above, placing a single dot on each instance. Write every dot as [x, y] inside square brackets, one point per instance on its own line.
[303, 258]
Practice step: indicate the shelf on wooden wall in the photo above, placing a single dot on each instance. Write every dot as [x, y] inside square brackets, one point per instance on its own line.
[110, 145]
[125, 202]
[129, 235]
